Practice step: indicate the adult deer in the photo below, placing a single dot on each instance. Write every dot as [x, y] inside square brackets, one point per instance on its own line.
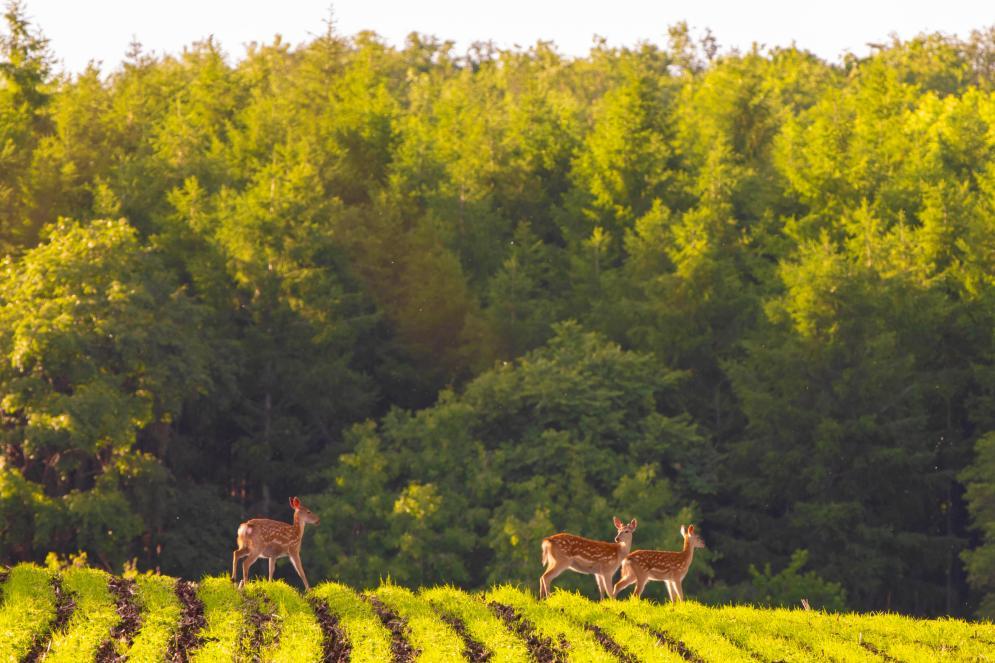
[272, 539]
[567, 552]
[641, 566]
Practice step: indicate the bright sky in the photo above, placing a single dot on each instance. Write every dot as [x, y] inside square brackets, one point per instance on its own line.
[81, 30]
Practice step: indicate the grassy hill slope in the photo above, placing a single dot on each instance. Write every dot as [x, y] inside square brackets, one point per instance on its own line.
[85, 614]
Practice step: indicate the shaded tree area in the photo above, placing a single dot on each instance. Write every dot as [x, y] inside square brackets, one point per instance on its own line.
[460, 302]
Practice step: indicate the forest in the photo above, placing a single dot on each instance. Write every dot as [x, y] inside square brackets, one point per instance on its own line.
[458, 302]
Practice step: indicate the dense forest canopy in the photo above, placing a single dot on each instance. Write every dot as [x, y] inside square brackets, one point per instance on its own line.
[458, 302]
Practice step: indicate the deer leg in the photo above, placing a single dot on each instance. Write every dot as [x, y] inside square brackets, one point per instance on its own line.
[640, 586]
[679, 590]
[670, 589]
[249, 560]
[295, 559]
[627, 578]
[272, 566]
[546, 579]
[237, 555]
[606, 582]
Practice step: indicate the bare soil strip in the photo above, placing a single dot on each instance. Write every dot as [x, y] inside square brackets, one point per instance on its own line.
[667, 640]
[192, 621]
[131, 620]
[65, 606]
[610, 645]
[474, 650]
[259, 617]
[403, 651]
[877, 652]
[542, 649]
[335, 644]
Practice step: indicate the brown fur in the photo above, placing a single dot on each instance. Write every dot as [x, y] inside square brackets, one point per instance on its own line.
[562, 552]
[641, 566]
[272, 539]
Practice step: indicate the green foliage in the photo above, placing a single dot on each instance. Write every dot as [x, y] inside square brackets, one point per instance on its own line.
[369, 639]
[980, 496]
[160, 617]
[97, 346]
[481, 624]
[94, 615]
[27, 608]
[225, 619]
[426, 632]
[574, 625]
[468, 488]
[788, 587]
[464, 301]
[299, 636]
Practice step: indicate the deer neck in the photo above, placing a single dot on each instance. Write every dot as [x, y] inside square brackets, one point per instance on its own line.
[298, 526]
[687, 554]
[622, 548]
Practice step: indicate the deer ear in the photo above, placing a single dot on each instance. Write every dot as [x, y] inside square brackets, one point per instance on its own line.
[618, 523]
[633, 524]
[690, 529]
[294, 503]
[683, 531]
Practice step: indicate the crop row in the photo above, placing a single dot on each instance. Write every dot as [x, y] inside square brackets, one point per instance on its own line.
[84, 614]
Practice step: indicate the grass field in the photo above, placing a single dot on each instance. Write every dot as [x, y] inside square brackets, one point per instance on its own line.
[87, 615]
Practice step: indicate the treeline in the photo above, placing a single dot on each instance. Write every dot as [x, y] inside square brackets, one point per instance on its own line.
[460, 302]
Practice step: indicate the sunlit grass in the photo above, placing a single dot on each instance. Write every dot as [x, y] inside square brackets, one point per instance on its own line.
[814, 632]
[737, 627]
[480, 622]
[369, 640]
[223, 612]
[687, 630]
[299, 635]
[551, 623]
[91, 622]
[625, 632]
[435, 638]
[27, 610]
[677, 623]
[160, 616]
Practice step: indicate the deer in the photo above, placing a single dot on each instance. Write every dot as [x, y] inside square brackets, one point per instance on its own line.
[641, 566]
[272, 539]
[568, 552]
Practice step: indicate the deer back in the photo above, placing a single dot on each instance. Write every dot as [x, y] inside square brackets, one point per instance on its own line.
[585, 554]
[660, 564]
[268, 538]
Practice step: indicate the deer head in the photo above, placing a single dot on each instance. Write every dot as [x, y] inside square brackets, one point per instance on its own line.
[302, 514]
[625, 531]
[691, 538]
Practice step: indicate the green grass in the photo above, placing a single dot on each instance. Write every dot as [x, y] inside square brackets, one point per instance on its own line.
[91, 622]
[552, 623]
[481, 623]
[28, 608]
[647, 630]
[370, 641]
[160, 614]
[436, 639]
[223, 611]
[624, 631]
[298, 633]
[677, 624]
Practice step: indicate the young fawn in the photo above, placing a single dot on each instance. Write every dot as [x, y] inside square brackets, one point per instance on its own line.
[272, 539]
[641, 566]
[566, 552]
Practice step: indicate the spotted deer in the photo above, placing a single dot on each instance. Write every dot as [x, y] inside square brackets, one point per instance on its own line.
[272, 539]
[567, 552]
[641, 566]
